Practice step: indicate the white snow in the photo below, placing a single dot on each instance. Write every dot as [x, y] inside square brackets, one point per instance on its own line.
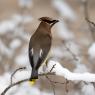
[88, 89]
[15, 43]
[56, 52]
[22, 60]
[24, 88]
[21, 74]
[64, 9]
[91, 51]
[47, 93]
[73, 47]
[63, 32]
[22, 18]
[80, 68]
[11, 24]
[6, 26]
[4, 81]
[25, 3]
[5, 50]
[61, 71]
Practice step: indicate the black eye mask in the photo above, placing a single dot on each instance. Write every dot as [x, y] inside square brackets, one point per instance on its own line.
[48, 21]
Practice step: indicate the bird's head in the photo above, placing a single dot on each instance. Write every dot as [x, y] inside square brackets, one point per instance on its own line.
[48, 20]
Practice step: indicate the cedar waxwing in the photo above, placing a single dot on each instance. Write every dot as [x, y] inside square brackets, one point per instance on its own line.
[40, 44]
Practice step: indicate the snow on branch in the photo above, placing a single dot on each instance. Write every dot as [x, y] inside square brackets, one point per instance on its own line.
[64, 72]
[52, 68]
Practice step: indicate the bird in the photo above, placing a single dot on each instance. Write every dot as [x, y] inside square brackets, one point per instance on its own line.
[40, 44]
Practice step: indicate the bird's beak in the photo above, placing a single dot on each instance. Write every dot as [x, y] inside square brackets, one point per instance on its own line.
[54, 22]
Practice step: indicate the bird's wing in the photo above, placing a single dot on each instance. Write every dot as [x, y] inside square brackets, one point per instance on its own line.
[38, 50]
[44, 50]
[31, 57]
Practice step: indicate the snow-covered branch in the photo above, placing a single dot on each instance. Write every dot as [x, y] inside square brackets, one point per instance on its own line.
[64, 72]
[52, 68]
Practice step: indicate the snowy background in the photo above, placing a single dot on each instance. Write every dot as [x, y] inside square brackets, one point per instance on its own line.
[73, 43]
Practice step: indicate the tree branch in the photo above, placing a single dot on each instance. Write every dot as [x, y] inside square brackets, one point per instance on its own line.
[59, 71]
[22, 81]
[64, 72]
[87, 18]
[22, 68]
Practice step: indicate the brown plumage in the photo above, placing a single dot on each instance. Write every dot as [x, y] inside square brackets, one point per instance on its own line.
[40, 44]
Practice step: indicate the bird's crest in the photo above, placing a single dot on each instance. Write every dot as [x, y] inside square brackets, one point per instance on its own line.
[48, 20]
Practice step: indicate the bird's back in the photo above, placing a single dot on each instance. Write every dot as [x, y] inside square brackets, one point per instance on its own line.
[39, 45]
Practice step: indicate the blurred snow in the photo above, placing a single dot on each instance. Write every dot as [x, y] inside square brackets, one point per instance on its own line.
[45, 93]
[5, 50]
[88, 89]
[63, 32]
[20, 75]
[64, 9]
[21, 33]
[80, 68]
[15, 43]
[57, 52]
[26, 89]
[91, 51]
[22, 60]
[13, 22]
[73, 47]
[4, 81]
[6, 26]
[62, 51]
[22, 18]
[25, 3]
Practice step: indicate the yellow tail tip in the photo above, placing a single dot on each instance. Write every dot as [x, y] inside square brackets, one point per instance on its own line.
[32, 82]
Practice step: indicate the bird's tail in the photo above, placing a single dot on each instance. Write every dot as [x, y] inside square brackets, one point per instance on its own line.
[34, 76]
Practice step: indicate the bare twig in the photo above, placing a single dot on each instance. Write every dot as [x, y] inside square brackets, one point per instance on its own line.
[14, 84]
[73, 55]
[52, 84]
[67, 85]
[91, 22]
[52, 67]
[87, 18]
[21, 81]
[55, 82]
[22, 68]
